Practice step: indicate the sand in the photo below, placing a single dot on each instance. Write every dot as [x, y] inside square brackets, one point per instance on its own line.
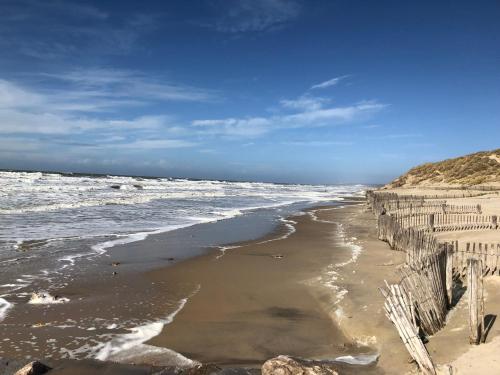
[316, 301]
[255, 301]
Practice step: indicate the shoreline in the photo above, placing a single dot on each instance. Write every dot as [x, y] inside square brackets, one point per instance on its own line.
[82, 295]
[356, 338]
[319, 300]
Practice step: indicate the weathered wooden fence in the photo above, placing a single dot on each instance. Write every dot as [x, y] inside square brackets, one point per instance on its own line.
[488, 253]
[425, 280]
[399, 309]
[436, 209]
[424, 272]
[419, 303]
[454, 222]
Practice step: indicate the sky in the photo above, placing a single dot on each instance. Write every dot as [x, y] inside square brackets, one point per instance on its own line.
[317, 91]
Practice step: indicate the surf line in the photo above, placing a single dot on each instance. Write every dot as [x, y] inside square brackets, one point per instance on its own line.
[290, 224]
[139, 335]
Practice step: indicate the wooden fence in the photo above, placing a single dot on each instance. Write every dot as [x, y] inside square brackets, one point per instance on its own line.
[436, 209]
[419, 303]
[446, 222]
[399, 309]
[425, 280]
[424, 272]
[488, 253]
[454, 222]
[387, 196]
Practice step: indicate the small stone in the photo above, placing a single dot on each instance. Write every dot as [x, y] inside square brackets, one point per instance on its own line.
[283, 365]
[33, 368]
[207, 369]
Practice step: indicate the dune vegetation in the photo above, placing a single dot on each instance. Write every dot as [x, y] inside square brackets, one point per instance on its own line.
[480, 168]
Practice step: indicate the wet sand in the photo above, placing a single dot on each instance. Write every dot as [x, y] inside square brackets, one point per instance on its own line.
[252, 306]
[255, 301]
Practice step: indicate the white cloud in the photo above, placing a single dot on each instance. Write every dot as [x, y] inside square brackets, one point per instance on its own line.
[317, 143]
[239, 16]
[329, 83]
[304, 102]
[150, 144]
[75, 106]
[397, 136]
[312, 114]
[14, 96]
[122, 85]
[242, 127]
[36, 120]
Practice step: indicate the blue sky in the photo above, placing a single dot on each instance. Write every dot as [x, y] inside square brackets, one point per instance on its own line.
[320, 91]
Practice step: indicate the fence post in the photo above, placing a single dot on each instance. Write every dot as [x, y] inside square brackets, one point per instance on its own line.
[494, 222]
[474, 283]
[449, 272]
[431, 222]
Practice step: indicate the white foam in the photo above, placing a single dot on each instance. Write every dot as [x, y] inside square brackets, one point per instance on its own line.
[291, 229]
[355, 248]
[153, 354]
[44, 298]
[288, 223]
[123, 343]
[5, 306]
[361, 359]
[223, 250]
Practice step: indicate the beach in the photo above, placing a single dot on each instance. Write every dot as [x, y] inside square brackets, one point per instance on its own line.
[232, 291]
[307, 287]
[299, 290]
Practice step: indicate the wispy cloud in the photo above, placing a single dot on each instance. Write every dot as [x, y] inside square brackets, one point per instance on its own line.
[89, 91]
[396, 136]
[56, 29]
[71, 114]
[317, 143]
[304, 102]
[309, 112]
[331, 82]
[151, 144]
[240, 16]
[120, 84]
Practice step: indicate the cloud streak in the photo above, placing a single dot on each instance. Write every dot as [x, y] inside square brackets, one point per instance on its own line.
[51, 30]
[329, 83]
[72, 114]
[310, 112]
[242, 16]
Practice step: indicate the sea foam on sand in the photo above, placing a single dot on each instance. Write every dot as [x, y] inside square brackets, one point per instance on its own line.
[4, 307]
[44, 298]
[129, 347]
